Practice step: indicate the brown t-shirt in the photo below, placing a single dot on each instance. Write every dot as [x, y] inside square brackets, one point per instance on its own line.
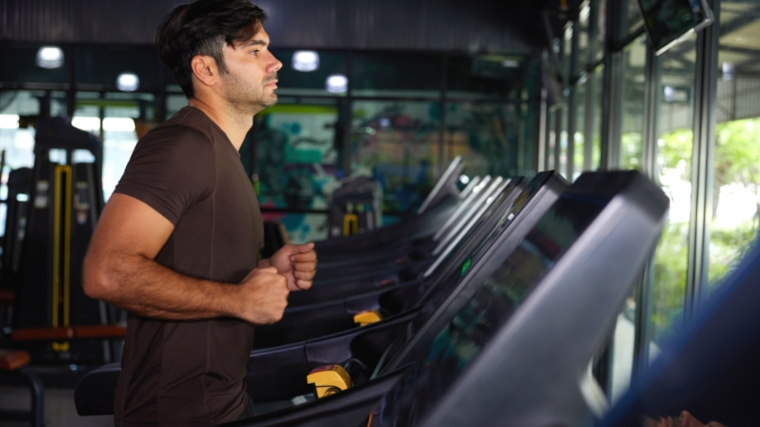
[191, 373]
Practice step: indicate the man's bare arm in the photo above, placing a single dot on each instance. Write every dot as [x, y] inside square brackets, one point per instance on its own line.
[119, 268]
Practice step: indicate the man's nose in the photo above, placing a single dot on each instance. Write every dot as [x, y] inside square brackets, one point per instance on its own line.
[275, 66]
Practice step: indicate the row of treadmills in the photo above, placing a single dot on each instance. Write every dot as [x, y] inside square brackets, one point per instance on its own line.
[485, 308]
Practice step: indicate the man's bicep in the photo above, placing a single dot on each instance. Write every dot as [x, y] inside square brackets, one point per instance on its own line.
[130, 227]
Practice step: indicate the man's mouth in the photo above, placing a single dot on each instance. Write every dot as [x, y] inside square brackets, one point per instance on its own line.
[272, 84]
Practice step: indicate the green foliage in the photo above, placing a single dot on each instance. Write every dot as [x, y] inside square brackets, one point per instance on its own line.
[736, 160]
[631, 151]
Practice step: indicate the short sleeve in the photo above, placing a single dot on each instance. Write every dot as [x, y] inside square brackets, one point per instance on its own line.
[171, 169]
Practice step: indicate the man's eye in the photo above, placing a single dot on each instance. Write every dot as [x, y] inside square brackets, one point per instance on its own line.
[255, 52]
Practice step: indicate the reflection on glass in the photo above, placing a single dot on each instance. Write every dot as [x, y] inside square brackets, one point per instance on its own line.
[632, 16]
[397, 74]
[481, 76]
[293, 80]
[675, 144]
[633, 107]
[397, 144]
[464, 337]
[580, 131]
[623, 349]
[736, 179]
[598, 96]
[484, 135]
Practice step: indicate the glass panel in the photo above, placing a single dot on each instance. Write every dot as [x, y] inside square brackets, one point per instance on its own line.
[601, 28]
[563, 145]
[583, 25]
[484, 135]
[596, 151]
[103, 65]
[580, 132]
[632, 16]
[25, 67]
[174, 103]
[481, 76]
[397, 143]
[736, 181]
[633, 107]
[296, 158]
[551, 138]
[675, 143]
[313, 81]
[16, 136]
[396, 74]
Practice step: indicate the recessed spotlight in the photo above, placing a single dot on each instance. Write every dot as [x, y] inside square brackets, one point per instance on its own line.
[337, 83]
[128, 82]
[50, 57]
[305, 60]
[465, 179]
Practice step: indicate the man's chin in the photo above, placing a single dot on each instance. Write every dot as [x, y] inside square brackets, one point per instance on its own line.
[269, 102]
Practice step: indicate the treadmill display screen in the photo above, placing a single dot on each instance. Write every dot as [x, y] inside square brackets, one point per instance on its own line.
[440, 362]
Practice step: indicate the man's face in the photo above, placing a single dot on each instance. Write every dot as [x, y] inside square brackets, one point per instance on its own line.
[251, 80]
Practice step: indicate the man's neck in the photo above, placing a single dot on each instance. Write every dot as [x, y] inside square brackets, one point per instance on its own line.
[234, 124]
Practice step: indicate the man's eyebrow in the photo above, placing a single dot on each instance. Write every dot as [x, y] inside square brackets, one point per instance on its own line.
[256, 42]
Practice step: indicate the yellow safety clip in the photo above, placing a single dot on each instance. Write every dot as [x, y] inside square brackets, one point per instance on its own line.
[367, 317]
[329, 380]
[61, 347]
[350, 224]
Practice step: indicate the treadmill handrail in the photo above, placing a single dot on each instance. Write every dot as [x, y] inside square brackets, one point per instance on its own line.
[464, 232]
[451, 172]
[478, 207]
[463, 207]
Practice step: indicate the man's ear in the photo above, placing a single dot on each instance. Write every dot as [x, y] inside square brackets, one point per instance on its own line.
[204, 69]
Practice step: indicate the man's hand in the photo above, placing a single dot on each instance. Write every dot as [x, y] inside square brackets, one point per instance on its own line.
[298, 263]
[263, 296]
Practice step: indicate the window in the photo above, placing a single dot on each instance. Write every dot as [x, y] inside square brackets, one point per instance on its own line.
[674, 145]
[633, 107]
[736, 180]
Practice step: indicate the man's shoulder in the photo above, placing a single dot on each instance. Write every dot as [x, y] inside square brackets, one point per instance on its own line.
[188, 126]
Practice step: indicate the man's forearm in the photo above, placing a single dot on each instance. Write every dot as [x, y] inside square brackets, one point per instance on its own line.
[146, 288]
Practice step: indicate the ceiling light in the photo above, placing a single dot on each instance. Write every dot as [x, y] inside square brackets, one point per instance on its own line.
[128, 82]
[510, 63]
[337, 83]
[465, 179]
[50, 57]
[305, 60]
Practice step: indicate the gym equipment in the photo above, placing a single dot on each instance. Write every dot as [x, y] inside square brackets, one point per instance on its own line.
[94, 394]
[514, 349]
[517, 202]
[710, 368]
[382, 265]
[14, 363]
[65, 200]
[437, 207]
[354, 207]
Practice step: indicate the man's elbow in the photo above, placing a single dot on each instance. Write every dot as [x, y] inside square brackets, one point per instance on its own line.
[97, 282]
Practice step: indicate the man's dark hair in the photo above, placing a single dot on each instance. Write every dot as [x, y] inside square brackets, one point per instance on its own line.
[202, 28]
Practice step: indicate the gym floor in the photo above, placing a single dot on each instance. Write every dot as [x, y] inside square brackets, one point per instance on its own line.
[59, 408]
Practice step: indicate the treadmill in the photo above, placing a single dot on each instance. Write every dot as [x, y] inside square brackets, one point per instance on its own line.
[438, 206]
[94, 395]
[348, 266]
[711, 368]
[519, 209]
[595, 203]
[368, 276]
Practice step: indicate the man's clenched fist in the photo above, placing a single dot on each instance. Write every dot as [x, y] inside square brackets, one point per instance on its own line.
[298, 263]
[263, 296]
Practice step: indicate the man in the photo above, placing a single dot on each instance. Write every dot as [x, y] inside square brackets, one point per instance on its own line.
[178, 241]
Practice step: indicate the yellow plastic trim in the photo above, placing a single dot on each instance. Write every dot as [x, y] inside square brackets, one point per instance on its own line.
[367, 317]
[329, 380]
[350, 224]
